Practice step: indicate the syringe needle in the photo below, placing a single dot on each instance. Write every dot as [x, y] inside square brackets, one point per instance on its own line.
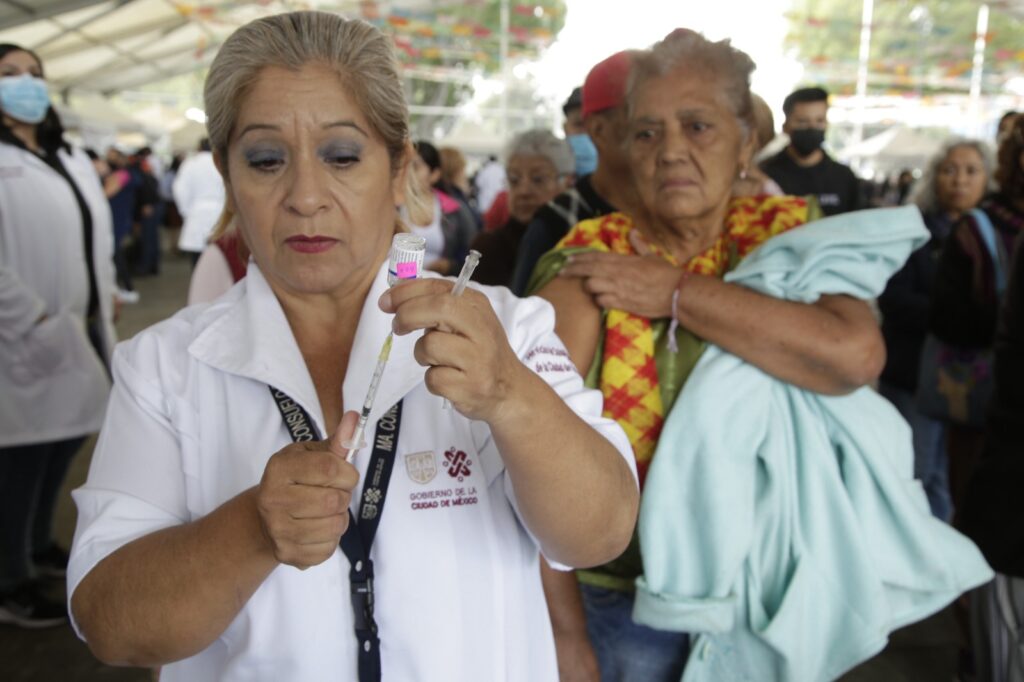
[405, 262]
[472, 260]
[460, 285]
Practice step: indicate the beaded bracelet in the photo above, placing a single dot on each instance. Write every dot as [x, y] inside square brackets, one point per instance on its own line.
[673, 345]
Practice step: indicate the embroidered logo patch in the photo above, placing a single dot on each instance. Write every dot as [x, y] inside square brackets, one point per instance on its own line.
[371, 503]
[458, 463]
[421, 466]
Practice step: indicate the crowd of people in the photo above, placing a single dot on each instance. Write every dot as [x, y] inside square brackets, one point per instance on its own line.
[711, 416]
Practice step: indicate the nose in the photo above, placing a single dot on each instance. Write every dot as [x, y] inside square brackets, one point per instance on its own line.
[307, 194]
[675, 146]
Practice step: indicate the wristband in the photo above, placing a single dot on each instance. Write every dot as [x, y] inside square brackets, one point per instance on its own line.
[673, 346]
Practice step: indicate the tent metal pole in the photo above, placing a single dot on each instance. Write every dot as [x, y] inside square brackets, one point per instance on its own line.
[503, 123]
[862, 69]
[980, 41]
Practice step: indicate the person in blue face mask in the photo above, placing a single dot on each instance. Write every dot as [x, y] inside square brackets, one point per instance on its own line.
[595, 125]
[56, 329]
[583, 149]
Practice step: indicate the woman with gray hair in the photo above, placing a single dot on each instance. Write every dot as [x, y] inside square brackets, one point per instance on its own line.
[539, 167]
[653, 308]
[638, 297]
[221, 487]
[954, 182]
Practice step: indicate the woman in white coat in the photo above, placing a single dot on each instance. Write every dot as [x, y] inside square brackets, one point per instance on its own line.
[199, 195]
[56, 309]
[209, 528]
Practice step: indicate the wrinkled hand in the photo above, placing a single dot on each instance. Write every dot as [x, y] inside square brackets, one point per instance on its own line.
[465, 347]
[304, 496]
[641, 285]
[576, 659]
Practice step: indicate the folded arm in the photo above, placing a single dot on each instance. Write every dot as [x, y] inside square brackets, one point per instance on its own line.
[831, 346]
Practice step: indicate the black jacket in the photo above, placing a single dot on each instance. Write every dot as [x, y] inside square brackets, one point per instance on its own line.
[834, 185]
[964, 304]
[993, 509]
[905, 305]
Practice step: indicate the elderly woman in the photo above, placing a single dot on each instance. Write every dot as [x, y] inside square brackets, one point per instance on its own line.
[965, 299]
[208, 541]
[638, 297]
[539, 168]
[953, 183]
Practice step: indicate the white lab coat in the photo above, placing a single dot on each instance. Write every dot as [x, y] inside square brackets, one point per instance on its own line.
[490, 182]
[53, 386]
[199, 195]
[192, 423]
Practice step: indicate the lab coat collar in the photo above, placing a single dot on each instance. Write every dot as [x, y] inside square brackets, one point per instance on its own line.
[252, 338]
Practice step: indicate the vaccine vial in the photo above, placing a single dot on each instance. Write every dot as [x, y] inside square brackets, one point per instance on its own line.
[406, 261]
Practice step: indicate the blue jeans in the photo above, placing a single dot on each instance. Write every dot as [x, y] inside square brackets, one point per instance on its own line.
[931, 465]
[626, 651]
[30, 479]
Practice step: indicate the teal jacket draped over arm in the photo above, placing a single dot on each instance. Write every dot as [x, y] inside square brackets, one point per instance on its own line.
[783, 525]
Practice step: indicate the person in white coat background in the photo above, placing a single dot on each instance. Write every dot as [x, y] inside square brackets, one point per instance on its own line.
[56, 328]
[199, 194]
[209, 527]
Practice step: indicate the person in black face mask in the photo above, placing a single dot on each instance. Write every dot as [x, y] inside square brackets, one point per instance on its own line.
[803, 167]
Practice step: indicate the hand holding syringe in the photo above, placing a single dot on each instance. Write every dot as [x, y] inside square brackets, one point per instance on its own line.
[406, 260]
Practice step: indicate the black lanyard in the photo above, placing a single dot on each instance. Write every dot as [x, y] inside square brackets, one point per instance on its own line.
[358, 537]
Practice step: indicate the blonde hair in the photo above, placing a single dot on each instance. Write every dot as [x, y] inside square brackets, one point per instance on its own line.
[453, 163]
[361, 55]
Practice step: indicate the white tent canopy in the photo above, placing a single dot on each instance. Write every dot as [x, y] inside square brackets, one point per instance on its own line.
[109, 46]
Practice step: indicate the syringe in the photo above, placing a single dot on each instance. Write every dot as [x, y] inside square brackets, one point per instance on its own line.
[405, 262]
[460, 285]
[357, 440]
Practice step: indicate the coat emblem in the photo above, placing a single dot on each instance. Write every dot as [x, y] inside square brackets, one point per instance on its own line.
[421, 466]
[458, 463]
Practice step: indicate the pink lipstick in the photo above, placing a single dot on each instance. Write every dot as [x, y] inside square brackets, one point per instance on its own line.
[311, 244]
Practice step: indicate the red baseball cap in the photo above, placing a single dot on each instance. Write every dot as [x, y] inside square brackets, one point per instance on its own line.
[605, 86]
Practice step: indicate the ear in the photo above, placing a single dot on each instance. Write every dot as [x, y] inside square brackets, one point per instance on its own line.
[786, 127]
[435, 176]
[401, 172]
[568, 181]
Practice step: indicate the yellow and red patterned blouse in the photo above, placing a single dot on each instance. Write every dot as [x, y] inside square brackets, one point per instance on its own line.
[635, 372]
